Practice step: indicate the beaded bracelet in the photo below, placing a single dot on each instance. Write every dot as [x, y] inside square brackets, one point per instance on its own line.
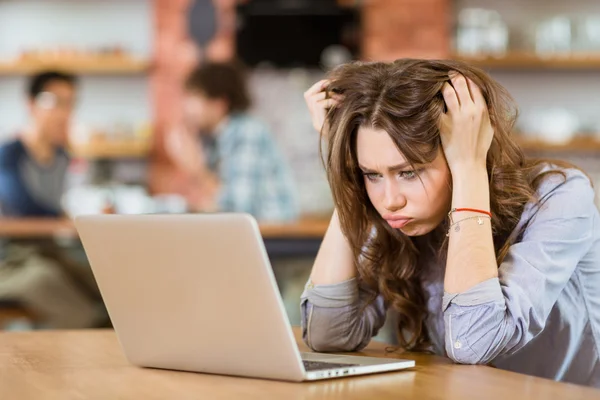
[457, 226]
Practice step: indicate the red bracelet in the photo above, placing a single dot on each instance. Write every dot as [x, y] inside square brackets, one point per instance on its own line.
[489, 214]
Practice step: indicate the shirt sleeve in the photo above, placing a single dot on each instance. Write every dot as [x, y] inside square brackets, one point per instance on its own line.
[501, 315]
[340, 317]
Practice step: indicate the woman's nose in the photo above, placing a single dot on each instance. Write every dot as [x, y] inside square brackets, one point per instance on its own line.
[394, 198]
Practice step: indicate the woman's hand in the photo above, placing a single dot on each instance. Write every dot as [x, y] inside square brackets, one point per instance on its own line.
[319, 104]
[465, 129]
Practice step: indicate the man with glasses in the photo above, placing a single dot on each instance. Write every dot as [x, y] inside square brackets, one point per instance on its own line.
[34, 165]
[36, 274]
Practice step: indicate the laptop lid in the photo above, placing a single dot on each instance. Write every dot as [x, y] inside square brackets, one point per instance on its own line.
[192, 292]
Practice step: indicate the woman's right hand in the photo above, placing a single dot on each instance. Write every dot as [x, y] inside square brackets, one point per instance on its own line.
[319, 104]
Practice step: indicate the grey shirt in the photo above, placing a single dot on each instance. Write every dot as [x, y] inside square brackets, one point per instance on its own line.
[541, 316]
[28, 189]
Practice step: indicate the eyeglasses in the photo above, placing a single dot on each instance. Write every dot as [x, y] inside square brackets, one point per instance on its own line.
[49, 101]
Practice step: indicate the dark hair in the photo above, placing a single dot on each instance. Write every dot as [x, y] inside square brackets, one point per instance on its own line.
[39, 82]
[404, 99]
[221, 80]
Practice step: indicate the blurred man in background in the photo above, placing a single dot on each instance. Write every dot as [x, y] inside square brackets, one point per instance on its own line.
[33, 166]
[36, 274]
[231, 160]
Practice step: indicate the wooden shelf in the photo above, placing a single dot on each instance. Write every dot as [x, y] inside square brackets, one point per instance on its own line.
[534, 61]
[104, 65]
[113, 149]
[580, 144]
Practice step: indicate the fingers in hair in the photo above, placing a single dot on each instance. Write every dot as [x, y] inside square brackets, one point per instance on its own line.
[462, 89]
[450, 98]
[317, 87]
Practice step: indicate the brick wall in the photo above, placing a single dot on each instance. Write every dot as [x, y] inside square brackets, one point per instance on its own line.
[405, 28]
[175, 56]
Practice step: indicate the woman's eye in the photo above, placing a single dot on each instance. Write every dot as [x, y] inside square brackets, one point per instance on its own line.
[371, 176]
[408, 175]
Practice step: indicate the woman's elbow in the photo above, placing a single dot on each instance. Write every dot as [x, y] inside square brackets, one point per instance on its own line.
[338, 330]
[478, 342]
[335, 334]
[323, 345]
[321, 339]
[464, 355]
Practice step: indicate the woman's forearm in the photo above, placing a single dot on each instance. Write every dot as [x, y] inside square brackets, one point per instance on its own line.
[471, 256]
[335, 261]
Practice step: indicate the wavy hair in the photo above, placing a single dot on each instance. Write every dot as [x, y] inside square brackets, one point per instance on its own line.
[404, 99]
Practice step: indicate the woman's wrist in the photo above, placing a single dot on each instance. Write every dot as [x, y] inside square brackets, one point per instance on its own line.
[468, 172]
[467, 166]
[470, 188]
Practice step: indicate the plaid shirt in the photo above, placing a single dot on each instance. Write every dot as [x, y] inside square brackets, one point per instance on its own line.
[254, 175]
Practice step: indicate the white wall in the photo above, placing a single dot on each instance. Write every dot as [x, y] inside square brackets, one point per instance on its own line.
[104, 100]
[46, 23]
[576, 91]
[278, 100]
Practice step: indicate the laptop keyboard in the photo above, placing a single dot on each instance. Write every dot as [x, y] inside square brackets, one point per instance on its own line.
[318, 365]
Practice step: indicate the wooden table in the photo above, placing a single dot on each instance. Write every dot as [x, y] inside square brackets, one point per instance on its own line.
[52, 227]
[90, 365]
[29, 228]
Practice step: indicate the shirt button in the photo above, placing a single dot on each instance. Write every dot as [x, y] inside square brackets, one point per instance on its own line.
[457, 344]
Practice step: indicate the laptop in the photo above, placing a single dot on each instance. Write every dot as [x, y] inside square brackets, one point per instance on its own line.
[197, 293]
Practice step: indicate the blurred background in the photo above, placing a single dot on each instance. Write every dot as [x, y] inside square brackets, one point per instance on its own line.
[132, 58]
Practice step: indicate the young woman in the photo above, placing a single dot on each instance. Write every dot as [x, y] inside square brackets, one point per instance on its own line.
[484, 255]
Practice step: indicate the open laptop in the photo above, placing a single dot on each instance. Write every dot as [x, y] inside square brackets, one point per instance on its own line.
[197, 293]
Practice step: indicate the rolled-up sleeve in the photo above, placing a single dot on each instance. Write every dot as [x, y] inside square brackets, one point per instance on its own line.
[501, 315]
[340, 317]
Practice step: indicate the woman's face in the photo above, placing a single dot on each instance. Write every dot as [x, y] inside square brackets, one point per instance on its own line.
[412, 205]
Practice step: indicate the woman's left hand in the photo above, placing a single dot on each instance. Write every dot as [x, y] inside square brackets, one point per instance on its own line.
[465, 129]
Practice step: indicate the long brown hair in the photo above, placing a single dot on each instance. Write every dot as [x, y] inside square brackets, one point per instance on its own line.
[404, 99]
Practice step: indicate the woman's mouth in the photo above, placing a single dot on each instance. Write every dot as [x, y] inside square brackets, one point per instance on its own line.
[398, 222]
